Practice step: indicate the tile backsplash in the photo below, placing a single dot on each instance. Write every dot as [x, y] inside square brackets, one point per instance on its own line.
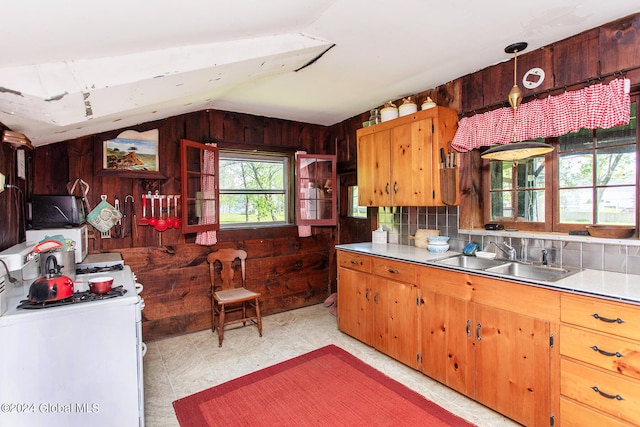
[571, 251]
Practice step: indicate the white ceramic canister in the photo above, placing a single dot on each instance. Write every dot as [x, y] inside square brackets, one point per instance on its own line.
[389, 113]
[407, 107]
[428, 103]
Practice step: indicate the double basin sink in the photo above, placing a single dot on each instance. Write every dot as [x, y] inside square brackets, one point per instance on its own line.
[511, 269]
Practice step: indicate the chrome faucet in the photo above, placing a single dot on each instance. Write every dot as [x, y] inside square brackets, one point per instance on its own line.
[545, 257]
[510, 251]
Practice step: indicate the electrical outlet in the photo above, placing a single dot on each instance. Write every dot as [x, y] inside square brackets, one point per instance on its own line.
[1, 182]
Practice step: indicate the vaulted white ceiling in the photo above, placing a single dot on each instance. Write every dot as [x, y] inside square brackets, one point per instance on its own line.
[75, 68]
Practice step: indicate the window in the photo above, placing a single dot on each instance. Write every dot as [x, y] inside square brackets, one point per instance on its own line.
[315, 184]
[355, 210]
[590, 178]
[254, 189]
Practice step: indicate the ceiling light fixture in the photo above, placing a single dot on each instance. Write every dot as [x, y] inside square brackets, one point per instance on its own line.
[517, 150]
[16, 140]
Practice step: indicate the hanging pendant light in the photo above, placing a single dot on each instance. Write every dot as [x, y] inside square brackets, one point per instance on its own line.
[517, 150]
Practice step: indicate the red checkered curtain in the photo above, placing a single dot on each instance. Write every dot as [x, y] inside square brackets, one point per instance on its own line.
[600, 106]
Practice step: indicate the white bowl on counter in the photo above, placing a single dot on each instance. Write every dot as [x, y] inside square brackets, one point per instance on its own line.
[437, 248]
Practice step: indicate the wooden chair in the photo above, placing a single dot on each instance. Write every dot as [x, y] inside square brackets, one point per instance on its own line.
[229, 299]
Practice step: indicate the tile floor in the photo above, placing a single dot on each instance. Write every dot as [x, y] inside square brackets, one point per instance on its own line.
[179, 366]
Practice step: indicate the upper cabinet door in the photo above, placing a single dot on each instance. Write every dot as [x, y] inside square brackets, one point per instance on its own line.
[200, 190]
[315, 189]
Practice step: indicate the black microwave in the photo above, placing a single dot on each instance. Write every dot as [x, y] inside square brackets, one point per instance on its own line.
[56, 211]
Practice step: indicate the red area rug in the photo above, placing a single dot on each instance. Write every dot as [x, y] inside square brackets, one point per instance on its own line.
[326, 387]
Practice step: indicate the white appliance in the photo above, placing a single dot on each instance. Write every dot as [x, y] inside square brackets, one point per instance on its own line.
[80, 235]
[73, 365]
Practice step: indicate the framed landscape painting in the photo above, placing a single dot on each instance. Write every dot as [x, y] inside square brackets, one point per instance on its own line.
[132, 154]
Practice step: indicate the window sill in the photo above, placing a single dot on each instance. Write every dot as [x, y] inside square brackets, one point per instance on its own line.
[551, 236]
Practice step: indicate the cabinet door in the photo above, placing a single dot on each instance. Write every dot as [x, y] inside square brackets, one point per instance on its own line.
[354, 304]
[373, 169]
[411, 164]
[513, 364]
[395, 317]
[447, 341]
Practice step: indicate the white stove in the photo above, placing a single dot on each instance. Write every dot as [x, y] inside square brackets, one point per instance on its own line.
[75, 364]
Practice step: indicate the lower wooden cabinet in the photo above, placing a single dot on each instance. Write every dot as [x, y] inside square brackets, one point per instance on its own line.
[489, 339]
[600, 362]
[377, 306]
[478, 339]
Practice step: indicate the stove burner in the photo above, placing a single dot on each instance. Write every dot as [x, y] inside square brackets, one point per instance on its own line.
[78, 297]
[99, 269]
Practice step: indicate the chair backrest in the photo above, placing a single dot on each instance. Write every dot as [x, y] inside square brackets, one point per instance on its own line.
[226, 258]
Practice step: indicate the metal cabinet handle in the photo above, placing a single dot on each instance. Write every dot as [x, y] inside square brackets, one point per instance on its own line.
[375, 297]
[354, 262]
[607, 395]
[478, 337]
[386, 189]
[606, 353]
[468, 328]
[392, 271]
[395, 187]
[366, 294]
[607, 320]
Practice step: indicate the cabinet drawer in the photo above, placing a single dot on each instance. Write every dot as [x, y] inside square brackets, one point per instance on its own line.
[612, 394]
[604, 316]
[605, 351]
[573, 414]
[395, 270]
[354, 261]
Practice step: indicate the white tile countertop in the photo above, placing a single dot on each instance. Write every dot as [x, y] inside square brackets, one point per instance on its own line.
[604, 284]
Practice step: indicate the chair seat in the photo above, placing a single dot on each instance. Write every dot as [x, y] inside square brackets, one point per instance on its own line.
[235, 295]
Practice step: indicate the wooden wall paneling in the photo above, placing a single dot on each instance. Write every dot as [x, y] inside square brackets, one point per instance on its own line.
[471, 202]
[575, 59]
[497, 82]
[51, 165]
[472, 92]
[620, 44]
[216, 124]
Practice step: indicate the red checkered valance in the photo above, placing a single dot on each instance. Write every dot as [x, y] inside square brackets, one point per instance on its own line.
[600, 106]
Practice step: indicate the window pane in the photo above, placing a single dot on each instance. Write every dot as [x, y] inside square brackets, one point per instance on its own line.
[501, 175]
[501, 205]
[616, 166]
[576, 205]
[576, 140]
[240, 174]
[616, 205]
[531, 205]
[575, 170]
[619, 134]
[531, 173]
[253, 189]
[355, 210]
[252, 209]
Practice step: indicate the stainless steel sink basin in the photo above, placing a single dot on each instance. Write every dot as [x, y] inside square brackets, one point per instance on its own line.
[511, 269]
[534, 272]
[471, 262]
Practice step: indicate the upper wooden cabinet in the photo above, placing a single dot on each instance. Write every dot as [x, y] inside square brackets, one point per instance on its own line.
[399, 161]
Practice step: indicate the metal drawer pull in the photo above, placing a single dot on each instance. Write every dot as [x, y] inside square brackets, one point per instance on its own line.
[608, 396]
[392, 271]
[387, 188]
[606, 353]
[478, 332]
[366, 294]
[375, 297]
[354, 262]
[604, 319]
[395, 187]
[468, 328]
